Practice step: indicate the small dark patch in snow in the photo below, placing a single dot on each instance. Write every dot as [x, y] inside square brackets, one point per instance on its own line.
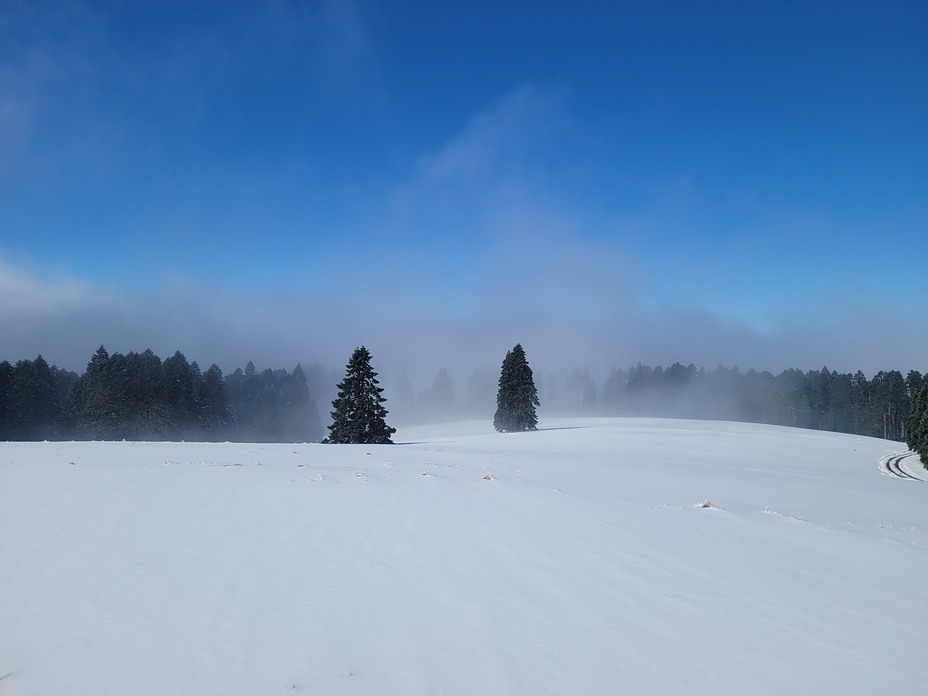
[893, 526]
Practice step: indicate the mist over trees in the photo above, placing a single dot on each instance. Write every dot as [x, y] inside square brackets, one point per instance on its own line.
[817, 399]
[140, 396]
[137, 396]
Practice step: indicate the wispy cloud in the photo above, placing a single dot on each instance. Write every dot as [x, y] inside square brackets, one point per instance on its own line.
[25, 292]
[493, 137]
[467, 202]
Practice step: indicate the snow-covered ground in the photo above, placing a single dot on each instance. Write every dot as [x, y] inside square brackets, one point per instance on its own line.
[573, 560]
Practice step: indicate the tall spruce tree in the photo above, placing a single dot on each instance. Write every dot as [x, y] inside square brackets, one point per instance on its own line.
[517, 396]
[359, 416]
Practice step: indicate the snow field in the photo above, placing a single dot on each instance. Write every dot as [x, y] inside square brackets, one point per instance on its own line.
[584, 565]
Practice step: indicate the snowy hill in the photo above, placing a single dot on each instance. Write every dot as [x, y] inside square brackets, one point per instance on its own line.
[578, 559]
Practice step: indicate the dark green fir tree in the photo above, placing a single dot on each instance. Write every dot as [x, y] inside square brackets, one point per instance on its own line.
[917, 425]
[359, 416]
[517, 396]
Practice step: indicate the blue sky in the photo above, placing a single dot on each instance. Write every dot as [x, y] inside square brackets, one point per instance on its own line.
[608, 183]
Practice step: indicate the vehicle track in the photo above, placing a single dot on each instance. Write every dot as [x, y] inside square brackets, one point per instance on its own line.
[891, 464]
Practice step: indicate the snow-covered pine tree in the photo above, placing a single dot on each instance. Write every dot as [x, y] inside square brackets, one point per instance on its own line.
[359, 416]
[517, 396]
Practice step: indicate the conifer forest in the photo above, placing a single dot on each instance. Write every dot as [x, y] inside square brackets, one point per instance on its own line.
[139, 396]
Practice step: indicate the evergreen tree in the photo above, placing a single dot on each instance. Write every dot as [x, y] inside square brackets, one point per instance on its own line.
[917, 425]
[614, 390]
[517, 396]
[889, 405]
[215, 415]
[437, 403]
[404, 399]
[146, 414]
[580, 391]
[754, 399]
[33, 407]
[183, 383]
[300, 419]
[818, 393]
[268, 405]
[359, 416]
[236, 388]
[839, 417]
[272, 405]
[860, 403]
[6, 398]
[95, 399]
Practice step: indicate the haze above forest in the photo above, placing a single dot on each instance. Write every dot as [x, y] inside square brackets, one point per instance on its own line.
[284, 182]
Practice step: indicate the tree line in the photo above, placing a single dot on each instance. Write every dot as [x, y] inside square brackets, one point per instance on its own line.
[139, 396]
[817, 399]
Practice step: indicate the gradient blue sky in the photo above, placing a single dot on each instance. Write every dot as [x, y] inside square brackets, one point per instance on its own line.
[606, 182]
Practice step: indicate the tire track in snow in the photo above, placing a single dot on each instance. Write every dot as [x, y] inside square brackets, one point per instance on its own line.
[891, 464]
